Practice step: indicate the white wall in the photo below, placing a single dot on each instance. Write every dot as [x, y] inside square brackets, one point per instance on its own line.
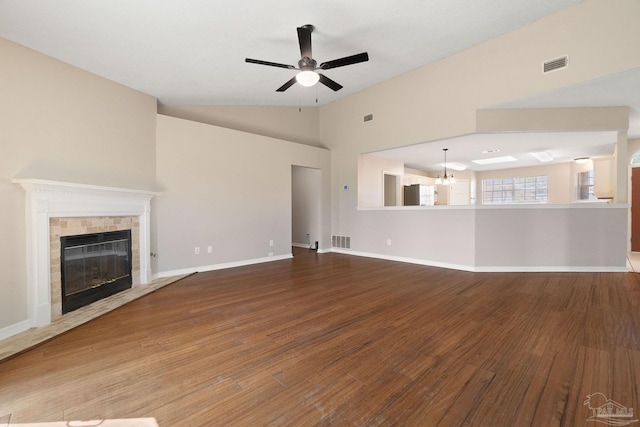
[306, 192]
[230, 190]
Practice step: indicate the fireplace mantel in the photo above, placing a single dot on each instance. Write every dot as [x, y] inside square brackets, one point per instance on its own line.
[53, 199]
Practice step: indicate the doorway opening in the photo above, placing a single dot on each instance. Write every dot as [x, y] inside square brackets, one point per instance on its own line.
[306, 193]
[391, 185]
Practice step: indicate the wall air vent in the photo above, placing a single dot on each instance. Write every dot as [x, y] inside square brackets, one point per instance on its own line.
[555, 64]
[343, 242]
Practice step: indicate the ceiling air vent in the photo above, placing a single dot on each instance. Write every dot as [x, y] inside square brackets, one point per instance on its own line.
[555, 64]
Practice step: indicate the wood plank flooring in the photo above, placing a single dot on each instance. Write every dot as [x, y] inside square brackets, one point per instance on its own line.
[331, 339]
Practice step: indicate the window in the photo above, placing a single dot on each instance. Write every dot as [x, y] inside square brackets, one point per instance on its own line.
[528, 189]
[585, 189]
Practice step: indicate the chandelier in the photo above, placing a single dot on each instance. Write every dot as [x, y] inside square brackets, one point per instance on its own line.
[446, 179]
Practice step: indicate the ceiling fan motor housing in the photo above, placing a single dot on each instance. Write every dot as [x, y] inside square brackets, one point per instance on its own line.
[307, 64]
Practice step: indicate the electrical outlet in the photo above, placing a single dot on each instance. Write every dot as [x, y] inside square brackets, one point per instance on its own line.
[270, 242]
[209, 249]
[388, 242]
[197, 250]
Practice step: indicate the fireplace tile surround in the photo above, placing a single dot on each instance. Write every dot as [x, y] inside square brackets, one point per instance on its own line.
[55, 209]
[59, 227]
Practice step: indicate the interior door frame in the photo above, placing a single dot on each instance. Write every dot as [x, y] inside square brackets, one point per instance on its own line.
[631, 204]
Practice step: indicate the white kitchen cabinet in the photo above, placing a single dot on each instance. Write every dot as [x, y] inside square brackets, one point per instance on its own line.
[457, 193]
[604, 177]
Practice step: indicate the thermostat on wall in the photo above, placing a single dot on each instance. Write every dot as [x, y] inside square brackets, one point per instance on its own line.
[345, 188]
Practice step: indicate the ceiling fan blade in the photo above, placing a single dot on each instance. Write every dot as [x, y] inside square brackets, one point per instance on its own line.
[270, 64]
[304, 39]
[287, 85]
[329, 83]
[347, 60]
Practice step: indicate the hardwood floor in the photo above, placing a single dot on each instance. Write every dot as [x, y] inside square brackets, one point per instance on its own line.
[330, 339]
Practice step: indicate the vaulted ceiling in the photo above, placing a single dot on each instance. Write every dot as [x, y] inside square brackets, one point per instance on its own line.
[193, 51]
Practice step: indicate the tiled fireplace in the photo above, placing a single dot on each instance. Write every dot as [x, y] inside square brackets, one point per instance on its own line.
[65, 227]
[56, 209]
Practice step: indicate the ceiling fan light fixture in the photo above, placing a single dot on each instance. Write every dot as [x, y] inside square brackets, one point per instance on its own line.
[307, 78]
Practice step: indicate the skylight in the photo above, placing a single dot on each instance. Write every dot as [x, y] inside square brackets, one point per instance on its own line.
[494, 160]
[542, 156]
[455, 166]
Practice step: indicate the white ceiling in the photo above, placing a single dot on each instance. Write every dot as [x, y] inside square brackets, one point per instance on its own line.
[192, 51]
[562, 146]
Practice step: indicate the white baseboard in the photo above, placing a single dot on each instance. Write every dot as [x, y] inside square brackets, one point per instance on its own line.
[403, 259]
[473, 269]
[491, 269]
[222, 266]
[14, 329]
[552, 269]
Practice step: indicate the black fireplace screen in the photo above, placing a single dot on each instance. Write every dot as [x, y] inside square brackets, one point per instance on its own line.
[94, 266]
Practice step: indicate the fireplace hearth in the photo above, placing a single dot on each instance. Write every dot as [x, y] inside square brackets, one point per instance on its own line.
[94, 266]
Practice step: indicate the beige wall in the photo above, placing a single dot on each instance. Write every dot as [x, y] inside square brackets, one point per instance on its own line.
[58, 122]
[230, 190]
[553, 119]
[441, 100]
[288, 123]
[633, 147]
[61, 123]
[371, 170]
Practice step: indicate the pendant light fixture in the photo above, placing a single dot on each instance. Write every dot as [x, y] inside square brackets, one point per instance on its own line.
[446, 179]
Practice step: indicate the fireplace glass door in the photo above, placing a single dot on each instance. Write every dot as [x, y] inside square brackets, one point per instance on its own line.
[94, 266]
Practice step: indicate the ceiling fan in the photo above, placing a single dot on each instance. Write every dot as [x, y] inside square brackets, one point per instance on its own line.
[308, 66]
